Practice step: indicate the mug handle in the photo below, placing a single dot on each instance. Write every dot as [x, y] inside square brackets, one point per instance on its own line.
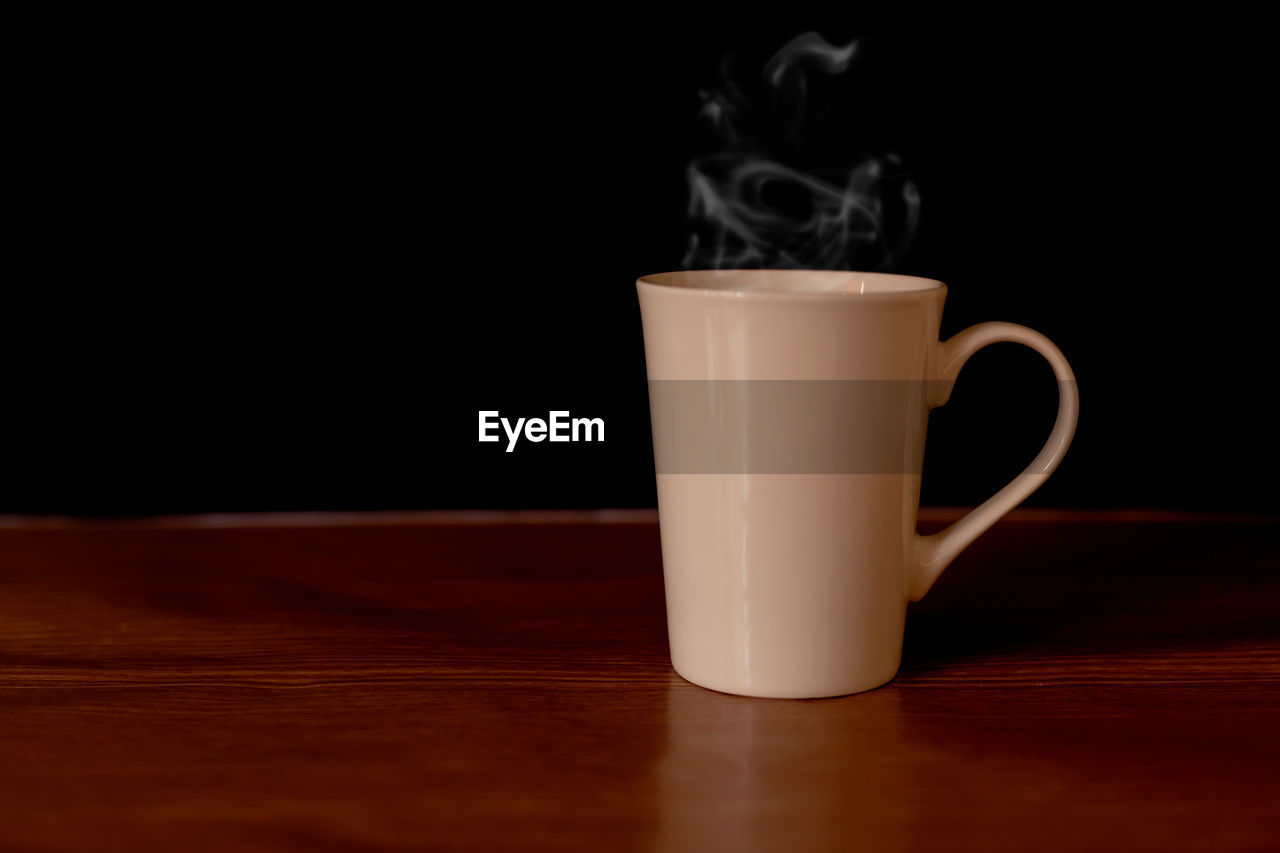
[935, 552]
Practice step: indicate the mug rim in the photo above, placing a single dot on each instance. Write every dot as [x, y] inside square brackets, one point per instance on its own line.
[901, 286]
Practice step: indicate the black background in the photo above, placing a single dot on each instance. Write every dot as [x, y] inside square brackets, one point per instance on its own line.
[268, 264]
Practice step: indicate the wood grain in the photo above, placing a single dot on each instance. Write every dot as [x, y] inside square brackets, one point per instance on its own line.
[487, 683]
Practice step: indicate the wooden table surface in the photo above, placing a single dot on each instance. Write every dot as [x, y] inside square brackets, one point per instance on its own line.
[501, 682]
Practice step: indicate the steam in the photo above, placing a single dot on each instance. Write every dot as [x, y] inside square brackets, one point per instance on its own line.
[766, 198]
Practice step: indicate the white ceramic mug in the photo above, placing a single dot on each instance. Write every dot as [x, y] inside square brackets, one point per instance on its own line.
[789, 559]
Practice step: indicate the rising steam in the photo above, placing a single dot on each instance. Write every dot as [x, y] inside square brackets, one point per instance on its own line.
[764, 197]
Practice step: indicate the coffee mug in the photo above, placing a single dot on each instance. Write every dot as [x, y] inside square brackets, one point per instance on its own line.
[789, 410]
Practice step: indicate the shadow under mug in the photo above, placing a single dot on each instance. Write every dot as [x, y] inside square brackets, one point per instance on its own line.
[789, 415]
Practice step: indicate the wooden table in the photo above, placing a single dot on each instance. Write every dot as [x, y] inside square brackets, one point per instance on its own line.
[501, 682]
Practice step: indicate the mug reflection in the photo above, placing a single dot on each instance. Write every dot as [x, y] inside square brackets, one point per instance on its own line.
[751, 774]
